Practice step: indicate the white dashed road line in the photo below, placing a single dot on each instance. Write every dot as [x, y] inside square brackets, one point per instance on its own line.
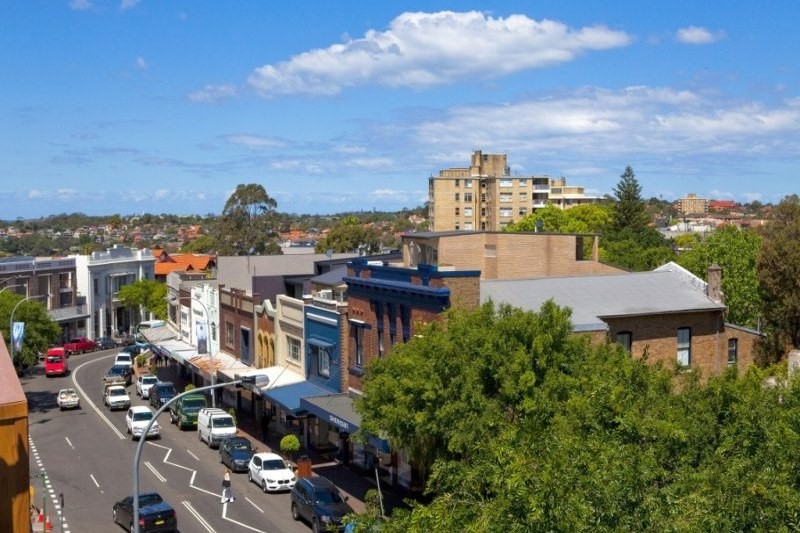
[56, 504]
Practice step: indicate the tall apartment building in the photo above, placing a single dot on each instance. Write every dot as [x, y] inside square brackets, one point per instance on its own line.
[485, 196]
[692, 205]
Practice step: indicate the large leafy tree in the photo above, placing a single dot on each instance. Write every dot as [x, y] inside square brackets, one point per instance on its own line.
[40, 330]
[736, 251]
[350, 235]
[778, 269]
[146, 294]
[248, 225]
[524, 426]
[584, 218]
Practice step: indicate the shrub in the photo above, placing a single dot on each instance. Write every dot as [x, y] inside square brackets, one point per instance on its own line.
[189, 387]
[232, 412]
[290, 445]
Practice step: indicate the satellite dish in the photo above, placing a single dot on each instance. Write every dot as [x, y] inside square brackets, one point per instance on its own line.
[251, 250]
[329, 252]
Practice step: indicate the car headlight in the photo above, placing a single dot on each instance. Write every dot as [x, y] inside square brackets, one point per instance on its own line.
[325, 518]
[270, 480]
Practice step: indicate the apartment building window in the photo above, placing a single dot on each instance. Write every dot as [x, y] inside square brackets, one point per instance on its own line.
[506, 197]
[320, 355]
[483, 197]
[733, 351]
[483, 226]
[625, 339]
[458, 197]
[468, 197]
[457, 183]
[507, 212]
[468, 184]
[293, 346]
[359, 341]
[685, 347]
[468, 226]
[523, 182]
[523, 211]
[458, 226]
[523, 197]
[483, 211]
[458, 211]
[506, 182]
[467, 211]
[229, 334]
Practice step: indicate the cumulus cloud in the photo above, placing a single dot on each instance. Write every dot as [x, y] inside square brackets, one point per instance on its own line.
[128, 4]
[421, 50]
[698, 35]
[80, 5]
[256, 142]
[212, 93]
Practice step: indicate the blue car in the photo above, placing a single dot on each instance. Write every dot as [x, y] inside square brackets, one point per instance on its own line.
[155, 515]
[235, 453]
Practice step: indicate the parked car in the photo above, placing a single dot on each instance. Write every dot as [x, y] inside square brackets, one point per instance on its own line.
[68, 399]
[123, 358]
[116, 397]
[55, 362]
[119, 374]
[270, 472]
[136, 421]
[235, 453]
[183, 412]
[144, 383]
[105, 343]
[214, 425]
[319, 502]
[161, 393]
[79, 345]
[135, 349]
[155, 515]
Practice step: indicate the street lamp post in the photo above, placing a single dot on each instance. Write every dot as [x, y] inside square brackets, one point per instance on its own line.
[212, 369]
[11, 324]
[11, 287]
[140, 446]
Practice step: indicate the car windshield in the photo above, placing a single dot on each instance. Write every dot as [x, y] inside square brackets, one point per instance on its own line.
[241, 445]
[116, 392]
[117, 370]
[195, 403]
[67, 392]
[223, 422]
[142, 415]
[54, 359]
[167, 390]
[329, 496]
[274, 464]
[123, 357]
[149, 499]
[149, 380]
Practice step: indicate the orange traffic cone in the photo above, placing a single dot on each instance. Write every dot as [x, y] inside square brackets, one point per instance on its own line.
[40, 518]
[48, 526]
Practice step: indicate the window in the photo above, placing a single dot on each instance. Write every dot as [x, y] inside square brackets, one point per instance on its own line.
[506, 182]
[685, 347]
[94, 285]
[359, 338]
[468, 184]
[293, 349]
[324, 362]
[507, 212]
[467, 211]
[228, 334]
[458, 226]
[468, 197]
[458, 197]
[468, 225]
[483, 211]
[458, 211]
[733, 351]
[490, 250]
[523, 211]
[458, 183]
[506, 197]
[483, 197]
[523, 182]
[625, 339]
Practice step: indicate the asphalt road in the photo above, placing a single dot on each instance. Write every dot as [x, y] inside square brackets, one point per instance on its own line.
[88, 457]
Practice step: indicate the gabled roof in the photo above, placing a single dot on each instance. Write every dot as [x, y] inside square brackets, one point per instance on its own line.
[188, 262]
[666, 290]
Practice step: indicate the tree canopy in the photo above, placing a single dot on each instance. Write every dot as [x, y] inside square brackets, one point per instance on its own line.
[248, 225]
[40, 330]
[146, 294]
[629, 212]
[524, 426]
[350, 235]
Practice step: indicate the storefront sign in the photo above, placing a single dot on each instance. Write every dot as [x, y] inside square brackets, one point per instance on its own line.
[344, 424]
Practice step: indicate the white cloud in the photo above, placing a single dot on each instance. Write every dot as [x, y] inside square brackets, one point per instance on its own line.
[212, 93]
[141, 63]
[80, 5]
[128, 4]
[750, 197]
[698, 35]
[256, 142]
[427, 49]
[161, 194]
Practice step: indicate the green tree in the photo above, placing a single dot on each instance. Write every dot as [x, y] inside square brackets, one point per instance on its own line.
[630, 211]
[146, 294]
[248, 225]
[40, 330]
[736, 252]
[778, 269]
[350, 235]
[201, 245]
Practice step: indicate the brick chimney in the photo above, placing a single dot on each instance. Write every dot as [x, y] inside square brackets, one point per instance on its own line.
[714, 287]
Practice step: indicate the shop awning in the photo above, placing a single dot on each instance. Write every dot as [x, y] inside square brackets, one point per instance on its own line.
[289, 396]
[180, 351]
[339, 410]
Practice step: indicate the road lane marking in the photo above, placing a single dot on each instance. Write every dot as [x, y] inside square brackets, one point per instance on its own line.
[225, 516]
[260, 510]
[161, 478]
[48, 486]
[193, 455]
[166, 457]
[198, 517]
[69, 442]
[74, 377]
[95, 481]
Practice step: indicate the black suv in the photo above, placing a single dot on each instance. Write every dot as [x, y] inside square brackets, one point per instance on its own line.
[318, 501]
[161, 393]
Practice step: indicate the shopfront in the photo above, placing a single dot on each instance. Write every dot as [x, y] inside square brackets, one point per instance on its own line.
[284, 402]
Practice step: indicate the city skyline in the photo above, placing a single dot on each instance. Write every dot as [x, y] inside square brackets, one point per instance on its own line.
[133, 106]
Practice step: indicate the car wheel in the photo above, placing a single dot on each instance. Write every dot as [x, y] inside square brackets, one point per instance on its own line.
[315, 526]
[264, 485]
[249, 475]
[295, 514]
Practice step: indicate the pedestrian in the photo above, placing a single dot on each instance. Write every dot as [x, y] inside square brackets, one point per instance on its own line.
[227, 496]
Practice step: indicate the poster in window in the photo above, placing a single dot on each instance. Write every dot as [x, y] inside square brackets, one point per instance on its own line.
[201, 333]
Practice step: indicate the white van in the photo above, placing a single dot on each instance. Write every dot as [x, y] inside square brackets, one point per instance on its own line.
[214, 425]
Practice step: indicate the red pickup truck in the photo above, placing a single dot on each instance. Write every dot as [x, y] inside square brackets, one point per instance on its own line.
[79, 345]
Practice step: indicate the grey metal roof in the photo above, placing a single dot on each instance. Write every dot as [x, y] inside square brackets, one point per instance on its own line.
[331, 278]
[593, 297]
[239, 271]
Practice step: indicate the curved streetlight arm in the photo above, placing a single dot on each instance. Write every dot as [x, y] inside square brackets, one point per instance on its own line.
[146, 430]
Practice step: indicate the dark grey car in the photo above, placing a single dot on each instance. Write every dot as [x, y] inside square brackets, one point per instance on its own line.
[319, 502]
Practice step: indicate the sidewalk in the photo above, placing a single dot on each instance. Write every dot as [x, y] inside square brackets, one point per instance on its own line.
[350, 482]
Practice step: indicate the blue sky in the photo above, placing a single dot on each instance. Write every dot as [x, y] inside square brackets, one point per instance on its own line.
[132, 106]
